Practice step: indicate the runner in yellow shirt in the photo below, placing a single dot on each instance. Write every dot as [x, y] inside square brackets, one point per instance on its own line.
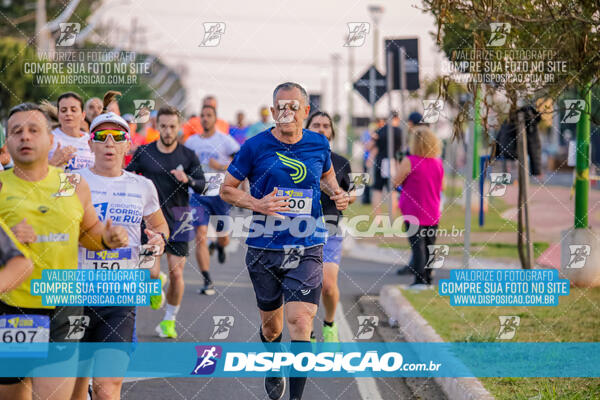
[50, 212]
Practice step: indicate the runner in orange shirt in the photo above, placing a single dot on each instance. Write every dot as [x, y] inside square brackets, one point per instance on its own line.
[193, 125]
[137, 139]
[149, 130]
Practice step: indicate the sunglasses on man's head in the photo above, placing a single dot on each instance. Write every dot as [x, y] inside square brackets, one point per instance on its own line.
[118, 136]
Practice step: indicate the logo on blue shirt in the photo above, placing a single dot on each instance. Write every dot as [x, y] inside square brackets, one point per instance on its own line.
[298, 167]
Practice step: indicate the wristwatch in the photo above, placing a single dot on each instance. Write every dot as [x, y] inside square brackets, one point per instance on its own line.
[190, 181]
[106, 247]
[164, 237]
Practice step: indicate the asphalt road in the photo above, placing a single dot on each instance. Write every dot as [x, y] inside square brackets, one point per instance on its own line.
[359, 283]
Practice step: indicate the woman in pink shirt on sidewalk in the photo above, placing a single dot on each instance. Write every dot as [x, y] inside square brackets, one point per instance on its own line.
[421, 175]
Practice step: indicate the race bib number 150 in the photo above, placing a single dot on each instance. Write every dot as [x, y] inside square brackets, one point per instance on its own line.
[113, 259]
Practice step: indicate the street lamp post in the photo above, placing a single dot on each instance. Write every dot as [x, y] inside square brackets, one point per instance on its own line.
[350, 93]
[376, 12]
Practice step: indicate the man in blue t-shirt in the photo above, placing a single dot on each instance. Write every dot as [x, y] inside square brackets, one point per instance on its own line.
[287, 167]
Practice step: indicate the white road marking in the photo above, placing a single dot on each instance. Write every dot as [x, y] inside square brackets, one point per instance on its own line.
[126, 380]
[367, 386]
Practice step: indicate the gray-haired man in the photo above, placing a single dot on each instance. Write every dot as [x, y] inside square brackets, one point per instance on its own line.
[286, 166]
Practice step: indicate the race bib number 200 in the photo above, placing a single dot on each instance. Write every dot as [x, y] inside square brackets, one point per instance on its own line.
[299, 202]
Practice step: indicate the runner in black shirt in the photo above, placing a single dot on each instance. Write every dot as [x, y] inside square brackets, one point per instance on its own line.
[332, 251]
[342, 169]
[173, 168]
[157, 166]
[382, 163]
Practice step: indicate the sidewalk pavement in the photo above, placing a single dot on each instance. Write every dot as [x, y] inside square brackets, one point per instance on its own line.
[551, 211]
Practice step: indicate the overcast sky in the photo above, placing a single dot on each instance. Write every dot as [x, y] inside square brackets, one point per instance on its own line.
[268, 42]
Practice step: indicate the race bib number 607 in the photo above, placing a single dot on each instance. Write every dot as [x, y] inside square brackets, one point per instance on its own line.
[24, 328]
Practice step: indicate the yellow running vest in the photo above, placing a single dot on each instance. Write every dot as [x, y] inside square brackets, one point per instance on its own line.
[54, 210]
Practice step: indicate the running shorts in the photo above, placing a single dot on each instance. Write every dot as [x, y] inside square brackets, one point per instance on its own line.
[67, 324]
[332, 251]
[110, 324]
[278, 276]
[208, 206]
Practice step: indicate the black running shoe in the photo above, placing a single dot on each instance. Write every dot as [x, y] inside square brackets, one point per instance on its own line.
[275, 387]
[211, 248]
[221, 254]
[406, 270]
[208, 289]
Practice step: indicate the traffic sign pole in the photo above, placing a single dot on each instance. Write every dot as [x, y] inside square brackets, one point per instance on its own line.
[390, 138]
[372, 93]
[350, 130]
[402, 91]
[476, 132]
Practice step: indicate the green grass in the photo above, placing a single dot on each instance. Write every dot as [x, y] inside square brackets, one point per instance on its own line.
[575, 319]
[483, 250]
[543, 388]
[357, 208]
[453, 215]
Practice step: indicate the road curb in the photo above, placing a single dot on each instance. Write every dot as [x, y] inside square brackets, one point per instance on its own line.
[416, 329]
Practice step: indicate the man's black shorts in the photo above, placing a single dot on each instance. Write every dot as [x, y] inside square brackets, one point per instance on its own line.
[115, 327]
[67, 324]
[179, 249]
[379, 182]
[110, 324]
[285, 275]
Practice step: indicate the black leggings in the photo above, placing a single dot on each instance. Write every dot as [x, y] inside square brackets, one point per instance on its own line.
[424, 237]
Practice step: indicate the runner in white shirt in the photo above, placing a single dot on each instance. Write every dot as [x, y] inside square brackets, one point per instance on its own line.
[125, 199]
[215, 151]
[81, 158]
[70, 148]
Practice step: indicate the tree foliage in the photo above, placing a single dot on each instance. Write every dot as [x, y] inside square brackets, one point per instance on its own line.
[568, 28]
[19, 16]
[17, 87]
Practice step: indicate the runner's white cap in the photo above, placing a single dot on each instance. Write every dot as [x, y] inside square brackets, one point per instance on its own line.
[109, 117]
